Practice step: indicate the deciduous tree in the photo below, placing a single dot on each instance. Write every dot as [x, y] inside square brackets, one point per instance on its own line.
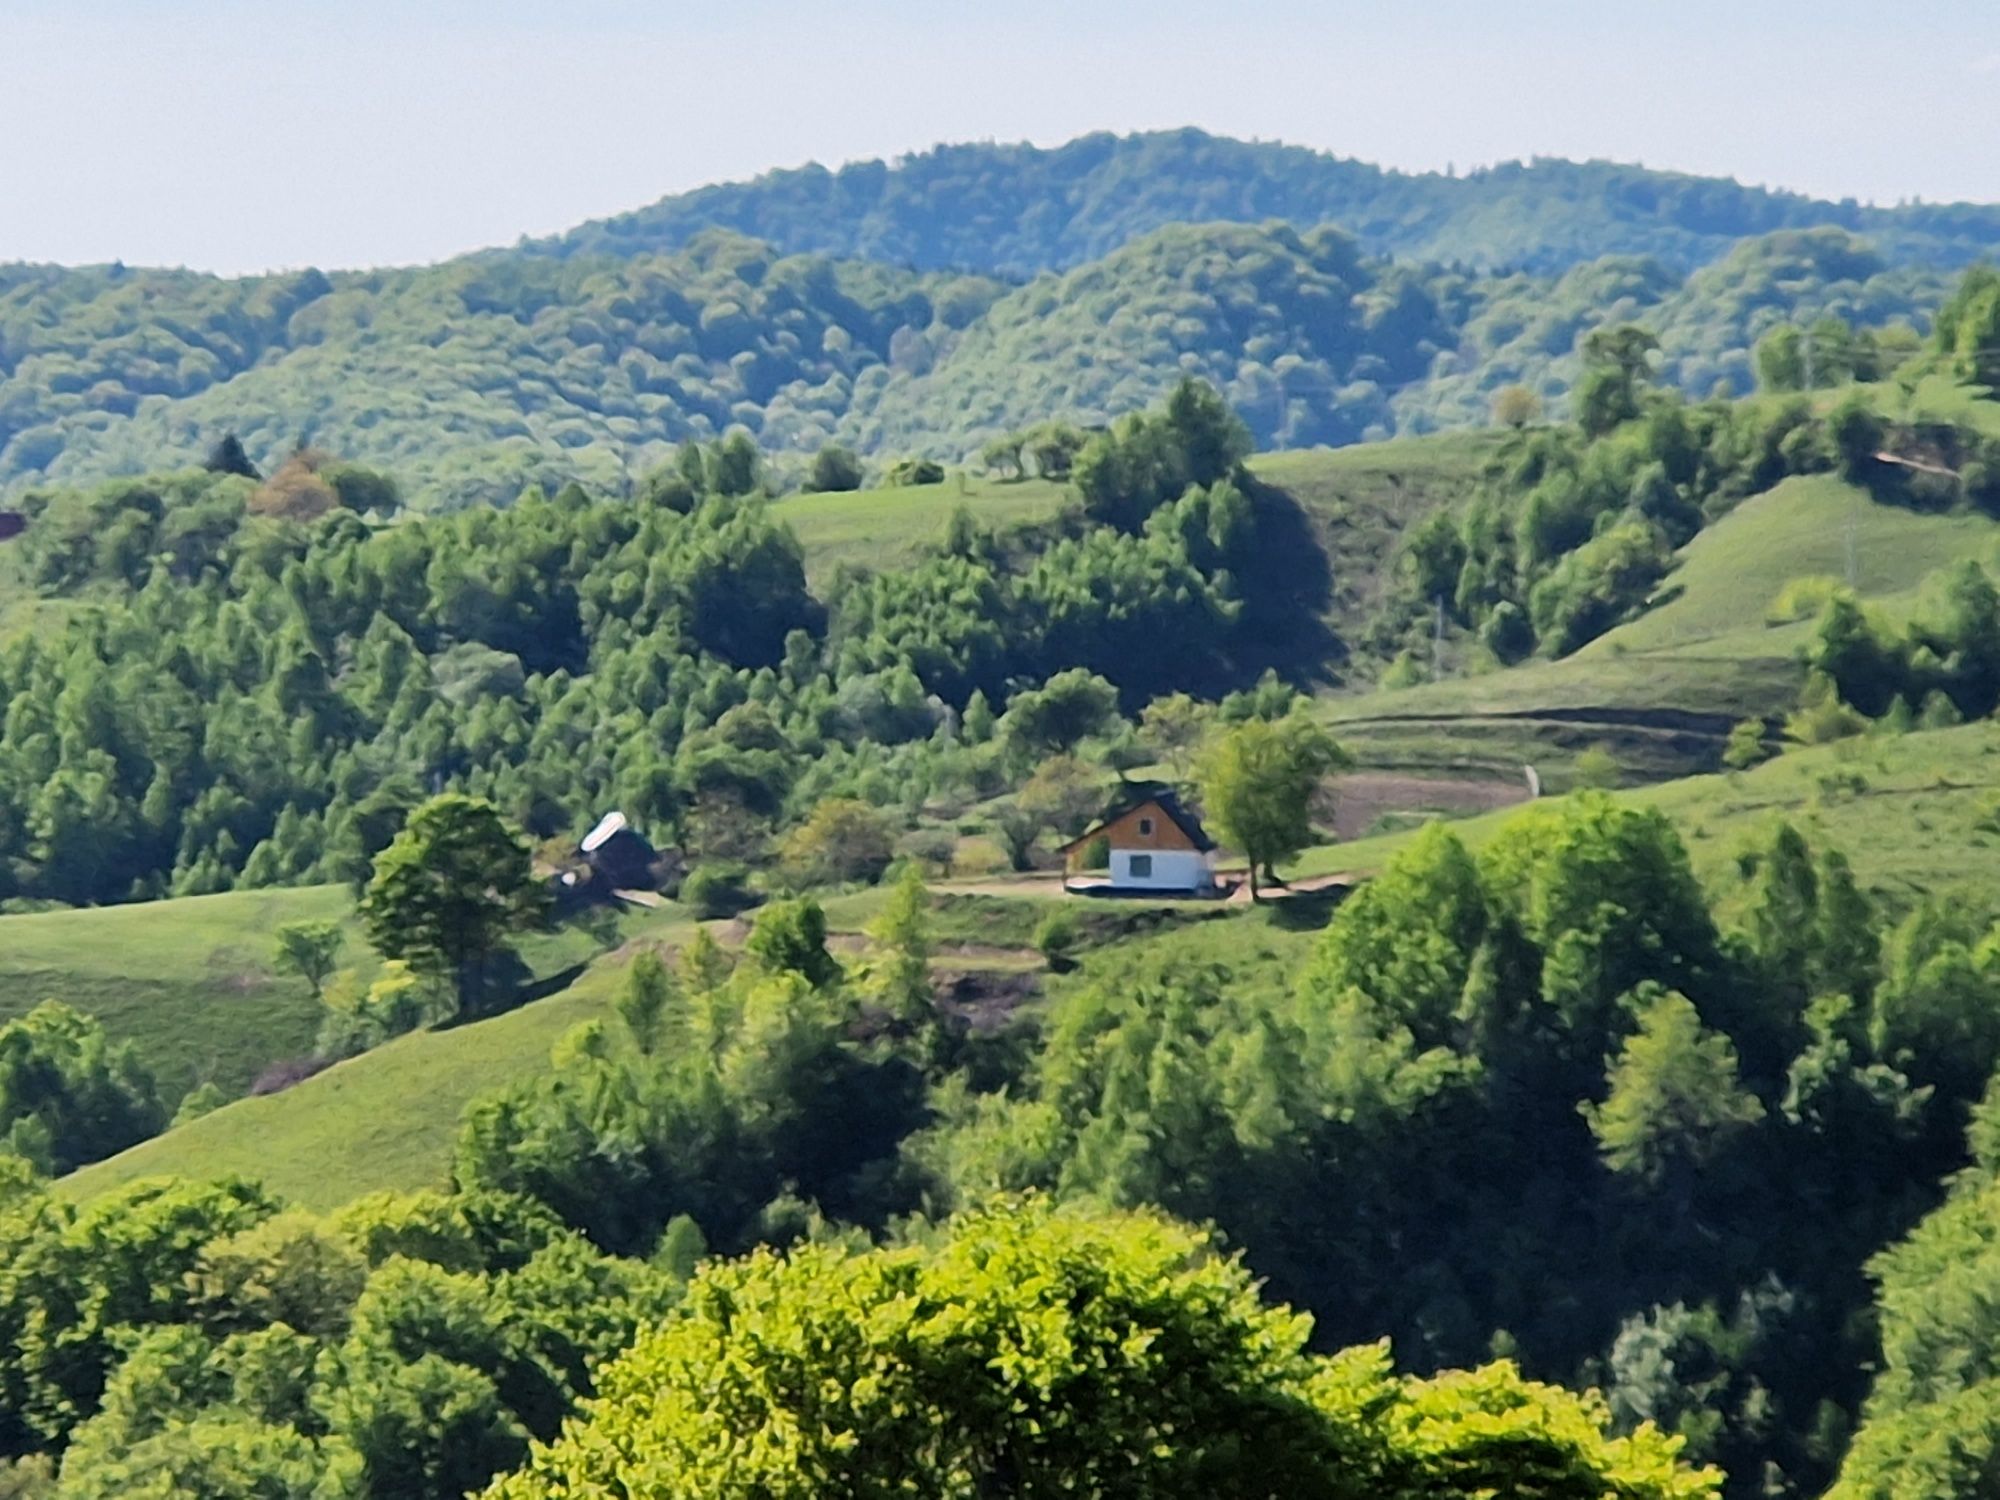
[450, 892]
[1257, 784]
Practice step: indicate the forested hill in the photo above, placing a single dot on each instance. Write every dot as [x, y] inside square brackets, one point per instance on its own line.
[477, 378]
[1016, 210]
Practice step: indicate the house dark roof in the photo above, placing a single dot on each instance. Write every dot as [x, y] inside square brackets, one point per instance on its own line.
[1157, 796]
[1184, 820]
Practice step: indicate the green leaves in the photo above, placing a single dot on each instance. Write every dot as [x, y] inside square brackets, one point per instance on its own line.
[1049, 1351]
[449, 891]
[1257, 785]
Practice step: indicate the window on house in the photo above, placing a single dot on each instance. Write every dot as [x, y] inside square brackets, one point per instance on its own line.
[1142, 867]
[1145, 828]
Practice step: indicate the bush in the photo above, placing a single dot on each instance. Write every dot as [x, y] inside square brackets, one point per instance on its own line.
[1802, 599]
[1821, 717]
[400, 1000]
[716, 890]
[1056, 938]
[905, 472]
[1597, 769]
[843, 839]
[834, 469]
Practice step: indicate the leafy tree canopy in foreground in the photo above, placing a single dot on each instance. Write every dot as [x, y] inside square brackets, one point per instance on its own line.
[1043, 1352]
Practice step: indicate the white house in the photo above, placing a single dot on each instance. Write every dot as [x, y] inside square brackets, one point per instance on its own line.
[1155, 844]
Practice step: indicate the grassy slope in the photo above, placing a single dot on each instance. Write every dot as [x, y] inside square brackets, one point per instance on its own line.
[1914, 813]
[1360, 500]
[388, 1119]
[1659, 690]
[1357, 500]
[189, 982]
[383, 1120]
[882, 528]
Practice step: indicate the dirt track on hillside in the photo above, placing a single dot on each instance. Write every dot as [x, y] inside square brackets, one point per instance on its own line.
[1361, 798]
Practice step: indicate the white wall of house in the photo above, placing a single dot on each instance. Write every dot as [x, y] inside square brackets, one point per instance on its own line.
[1162, 870]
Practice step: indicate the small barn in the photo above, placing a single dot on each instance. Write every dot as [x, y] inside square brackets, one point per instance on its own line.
[1155, 844]
[619, 858]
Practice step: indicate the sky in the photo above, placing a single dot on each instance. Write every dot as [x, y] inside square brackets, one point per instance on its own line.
[249, 135]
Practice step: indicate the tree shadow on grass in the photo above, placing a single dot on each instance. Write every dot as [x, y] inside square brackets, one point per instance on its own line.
[1306, 911]
[509, 984]
[1286, 585]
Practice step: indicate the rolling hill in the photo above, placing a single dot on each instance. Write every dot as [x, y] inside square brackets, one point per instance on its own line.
[1015, 210]
[1326, 314]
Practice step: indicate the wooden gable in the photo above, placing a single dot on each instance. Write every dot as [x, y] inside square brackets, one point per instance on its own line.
[1147, 826]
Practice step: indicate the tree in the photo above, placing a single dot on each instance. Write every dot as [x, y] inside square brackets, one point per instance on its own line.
[1617, 368]
[906, 472]
[1062, 713]
[789, 937]
[1213, 439]
[1967, 329]
[226, 456]
[1175, 727]
[1597, 769]
[841, 839]
[450, 891]
[309, 950]
[363, 491]
[900, 976]
[1002, 455]
[1064, 793]
[1044, 1352]
[735, 467]
[1018, 828]
[1257, 784]
[68, 1094]
[834, 469]
[1516, 406]
[1674, 1099]
[1054, 448]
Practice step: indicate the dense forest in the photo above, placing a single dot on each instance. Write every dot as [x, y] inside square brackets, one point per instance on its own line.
[1015, 210]
[475, 378]
[250, 683]
[1546, 1105]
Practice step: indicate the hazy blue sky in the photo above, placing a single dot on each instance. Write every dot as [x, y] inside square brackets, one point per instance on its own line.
[246, 134]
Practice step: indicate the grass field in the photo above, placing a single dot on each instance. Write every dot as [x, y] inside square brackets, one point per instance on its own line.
[191, 983]
[386, 1119]
[1914, 813]
[1731, 572]
[1360, 500]
[882, 528]
[1660, 691]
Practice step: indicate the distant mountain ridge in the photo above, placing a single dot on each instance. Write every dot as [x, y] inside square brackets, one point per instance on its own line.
[810, 307]
[1015, 210]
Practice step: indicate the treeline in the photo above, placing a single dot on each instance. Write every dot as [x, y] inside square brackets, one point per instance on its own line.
[472, 380]
[257, 694]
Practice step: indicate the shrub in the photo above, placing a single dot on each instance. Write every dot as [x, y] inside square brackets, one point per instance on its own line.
[834, 468]
[1802, 599]
[913, 471]
[716, 890]
[1056, 938]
